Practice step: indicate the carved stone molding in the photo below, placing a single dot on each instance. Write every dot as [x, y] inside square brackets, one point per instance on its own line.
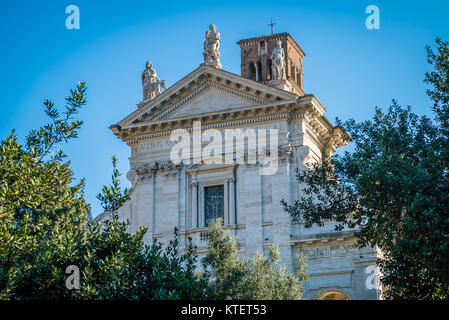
[131, 175]
[285, 153]
[239, 117]
[197, 167]
[333, 250]
[148, 171]
[303, 152]
[168, 168]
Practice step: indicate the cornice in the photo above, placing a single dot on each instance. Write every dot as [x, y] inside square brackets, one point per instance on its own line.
[307, 108]
[234, 117]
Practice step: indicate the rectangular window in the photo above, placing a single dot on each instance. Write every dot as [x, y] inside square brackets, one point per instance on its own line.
[213, 203]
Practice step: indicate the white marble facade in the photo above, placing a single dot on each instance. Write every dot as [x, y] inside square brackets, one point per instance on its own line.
[166, 195]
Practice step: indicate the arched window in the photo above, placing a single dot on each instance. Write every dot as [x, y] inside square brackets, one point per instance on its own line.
[252, 71]
[263, 48]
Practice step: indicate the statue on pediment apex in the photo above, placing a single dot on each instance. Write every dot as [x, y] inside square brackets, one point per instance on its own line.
[211, 46]
[151, 84]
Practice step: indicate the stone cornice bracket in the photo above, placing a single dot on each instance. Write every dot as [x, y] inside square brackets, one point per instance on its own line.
[285, 152]
[168, 168]
[303, 153]
[132, 177]
[145, 172]
[115, 128]
[337, 139]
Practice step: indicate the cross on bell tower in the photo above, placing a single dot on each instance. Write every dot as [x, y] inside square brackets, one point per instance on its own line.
[271, 24]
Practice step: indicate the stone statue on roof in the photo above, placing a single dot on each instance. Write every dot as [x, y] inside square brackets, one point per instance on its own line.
[211, 46]
[278, 62]
[151, 84]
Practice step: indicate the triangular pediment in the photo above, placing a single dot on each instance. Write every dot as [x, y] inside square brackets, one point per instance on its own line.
[205, 90]
[211, 100]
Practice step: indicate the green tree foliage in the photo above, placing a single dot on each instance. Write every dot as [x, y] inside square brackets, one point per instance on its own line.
[438, 79]
[44, 228]
[112, 197]
[258, 279]
[393, 190]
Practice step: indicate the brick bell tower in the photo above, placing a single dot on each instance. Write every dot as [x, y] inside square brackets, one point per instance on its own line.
[256, 61]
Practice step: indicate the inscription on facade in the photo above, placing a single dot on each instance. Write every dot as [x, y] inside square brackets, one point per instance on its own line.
[333, 250]
[166, 144]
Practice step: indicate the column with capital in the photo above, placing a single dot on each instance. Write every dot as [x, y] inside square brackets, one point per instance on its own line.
[194, 186]
[256, 66]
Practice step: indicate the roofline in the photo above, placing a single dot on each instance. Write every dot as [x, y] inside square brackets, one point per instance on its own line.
[203, 68]
[224, 111]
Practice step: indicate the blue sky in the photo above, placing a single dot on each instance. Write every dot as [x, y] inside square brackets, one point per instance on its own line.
[349, 68]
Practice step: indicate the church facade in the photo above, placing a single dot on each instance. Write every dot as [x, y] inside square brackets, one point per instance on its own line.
[186, 169]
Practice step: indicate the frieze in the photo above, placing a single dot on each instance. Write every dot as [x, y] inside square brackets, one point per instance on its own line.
[166, 144]
[168, 168]
[148, 171]
[334, 250]
[150, 146]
